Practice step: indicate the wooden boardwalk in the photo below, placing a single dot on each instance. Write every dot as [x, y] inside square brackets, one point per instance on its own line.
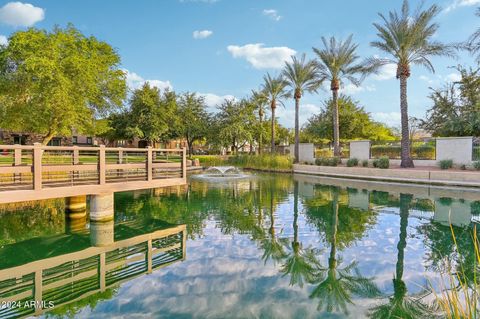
[40, 172]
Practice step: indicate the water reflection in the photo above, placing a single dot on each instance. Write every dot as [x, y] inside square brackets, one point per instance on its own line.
[277, 246]
[64, 273]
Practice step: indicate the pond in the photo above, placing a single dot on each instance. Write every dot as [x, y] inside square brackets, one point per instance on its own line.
[271, 246]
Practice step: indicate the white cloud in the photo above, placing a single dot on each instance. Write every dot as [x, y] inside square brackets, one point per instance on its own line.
[20, 14]
[453, 77]
[202, 34]
[3, 40]
[461, 3]
[351, 89]
[286, 115]
[261, 57]
[387, 72]
[391, 119]
[213, 100]
[135, 81]
[272, 14]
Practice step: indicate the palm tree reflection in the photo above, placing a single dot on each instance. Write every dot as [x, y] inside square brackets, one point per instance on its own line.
[335, 286]
[400, 304]
[301, 264]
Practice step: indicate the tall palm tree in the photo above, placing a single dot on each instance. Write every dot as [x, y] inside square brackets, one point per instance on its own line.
[301, 76]
[407, 38]
[274, 88]
[337, 62]
[259, 98]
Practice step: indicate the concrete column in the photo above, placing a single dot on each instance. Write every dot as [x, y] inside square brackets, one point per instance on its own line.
[360, 150]
[458, 149]
[101, 233]
[101, 207]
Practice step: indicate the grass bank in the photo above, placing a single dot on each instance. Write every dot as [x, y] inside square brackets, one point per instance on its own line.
[266, 162]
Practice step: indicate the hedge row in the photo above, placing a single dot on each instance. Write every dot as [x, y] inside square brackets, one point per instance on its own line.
[426, 152]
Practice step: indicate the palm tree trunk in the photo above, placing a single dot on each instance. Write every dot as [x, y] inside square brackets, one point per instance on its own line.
[260, 136]
[405, 154]
[332, 261]
[336, 129]
[273, 128]
[405, 200]
[295, 213]
[297, 130]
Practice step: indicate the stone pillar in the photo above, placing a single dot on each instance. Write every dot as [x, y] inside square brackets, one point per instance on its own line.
[101, 207]
[360, 150]
[101, 233]
[457, 149]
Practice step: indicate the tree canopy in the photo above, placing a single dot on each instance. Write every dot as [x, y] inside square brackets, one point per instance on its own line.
[55, 82]
[456, 107]
[354, 123]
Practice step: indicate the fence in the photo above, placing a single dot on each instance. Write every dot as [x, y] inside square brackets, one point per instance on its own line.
[420, 150]
[476, 149]
[36, 167]
[326, 150]
[461, 150]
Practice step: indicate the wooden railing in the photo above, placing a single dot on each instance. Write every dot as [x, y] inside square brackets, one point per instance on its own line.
[63, 279]
[39, 167]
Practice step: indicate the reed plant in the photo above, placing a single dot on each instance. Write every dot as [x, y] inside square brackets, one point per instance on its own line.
[458, 296]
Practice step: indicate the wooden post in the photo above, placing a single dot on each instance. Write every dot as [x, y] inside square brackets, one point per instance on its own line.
[149, 164]
[75, 161]
[17, 162]
[184, 163]
[149, 256]
[120, 156]
[102, 272]
[38, 292]
[102, 165]
[37, 166]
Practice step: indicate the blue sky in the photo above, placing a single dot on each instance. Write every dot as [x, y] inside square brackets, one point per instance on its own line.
[222, 48]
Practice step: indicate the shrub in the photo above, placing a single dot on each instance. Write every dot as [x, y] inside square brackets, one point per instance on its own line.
[264, 161]
[463, 167]
[323, 152]
[382, 162]
[328, 161]
[446, 164]
[476, 165]
[352, 162]
[365, 163]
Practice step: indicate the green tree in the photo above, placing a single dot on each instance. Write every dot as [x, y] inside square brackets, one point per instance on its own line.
[54, 82]
[260, 100]
[301, 76]
[151, 114]
[456, 107]
[407, 38]
[338, 62]
[234, 124]
[354, 123]
[275, 90]
[193, 118]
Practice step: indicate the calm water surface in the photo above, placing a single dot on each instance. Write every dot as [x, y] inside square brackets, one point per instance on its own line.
[273, 246]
